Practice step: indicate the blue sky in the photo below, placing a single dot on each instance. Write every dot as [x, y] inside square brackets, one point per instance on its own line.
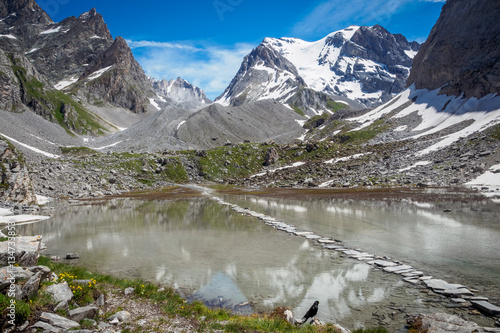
[204, 41]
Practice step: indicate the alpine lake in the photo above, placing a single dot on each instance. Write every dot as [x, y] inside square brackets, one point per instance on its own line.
[187, 238]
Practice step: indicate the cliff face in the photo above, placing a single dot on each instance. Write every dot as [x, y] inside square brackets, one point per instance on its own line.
[462, 53]
[116, 76]
[15, 183]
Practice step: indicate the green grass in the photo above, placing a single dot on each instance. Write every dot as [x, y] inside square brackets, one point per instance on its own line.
[316, 121]
[22, 310]
[232, 162]
[496, 133]
[78, 151]
[334, 106]
[363, 135]
[371, 330]
[51, 101]
[298, 110]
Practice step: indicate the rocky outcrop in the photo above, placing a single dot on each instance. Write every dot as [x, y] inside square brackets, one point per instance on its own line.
[26, 11]
[63, 51]
[115, 76]
[362, 66]
[462, 53]
[15, 183]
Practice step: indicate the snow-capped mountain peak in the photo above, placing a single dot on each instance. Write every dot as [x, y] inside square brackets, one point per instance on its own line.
[367, 65]
[181, 93]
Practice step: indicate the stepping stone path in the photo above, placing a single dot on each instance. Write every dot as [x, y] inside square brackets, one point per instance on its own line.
[407, 272]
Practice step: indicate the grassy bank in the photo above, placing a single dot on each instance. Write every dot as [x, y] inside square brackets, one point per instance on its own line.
[171, 305]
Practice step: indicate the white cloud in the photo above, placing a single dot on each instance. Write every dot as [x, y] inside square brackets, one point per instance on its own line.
[335, 14]
[209, 67]
[331, 15]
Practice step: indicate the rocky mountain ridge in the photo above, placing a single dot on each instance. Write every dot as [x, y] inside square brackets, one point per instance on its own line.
[358, 66]
[63, 70]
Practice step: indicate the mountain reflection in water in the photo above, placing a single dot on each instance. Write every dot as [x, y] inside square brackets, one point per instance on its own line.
[209, 252]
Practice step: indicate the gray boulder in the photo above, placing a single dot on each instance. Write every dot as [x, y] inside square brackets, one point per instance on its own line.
[46, 327]
[86, 312]
[60, 292]
[31, 287]
[58, 321]
[121, 317]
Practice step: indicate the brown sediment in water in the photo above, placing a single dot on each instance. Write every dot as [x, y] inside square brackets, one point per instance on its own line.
[166, 193]
[363, 194]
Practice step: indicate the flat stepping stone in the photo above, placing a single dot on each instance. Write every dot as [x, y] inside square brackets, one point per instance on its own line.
[413, 273]
[364, 258]
[383, 263]
[425, 277]
[437, 284]
[398, 269]
[351, 252]
[303, 233]
[334, 247]
[327, 241]
[486, 307]
[412, 281]
[458, 300]
[313, 236]
[459, 292]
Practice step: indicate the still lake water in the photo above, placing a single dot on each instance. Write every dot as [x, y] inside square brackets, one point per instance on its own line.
[209, 252]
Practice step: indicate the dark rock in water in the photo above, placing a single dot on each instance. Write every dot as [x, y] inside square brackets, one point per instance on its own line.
[72, 256]
[462, 51]
[486, 307]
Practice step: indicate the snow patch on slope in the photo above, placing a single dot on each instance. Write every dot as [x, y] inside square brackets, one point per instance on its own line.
[9, 36]
[98, 73]
[36, 150]
[65, 83]
[437, 112]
